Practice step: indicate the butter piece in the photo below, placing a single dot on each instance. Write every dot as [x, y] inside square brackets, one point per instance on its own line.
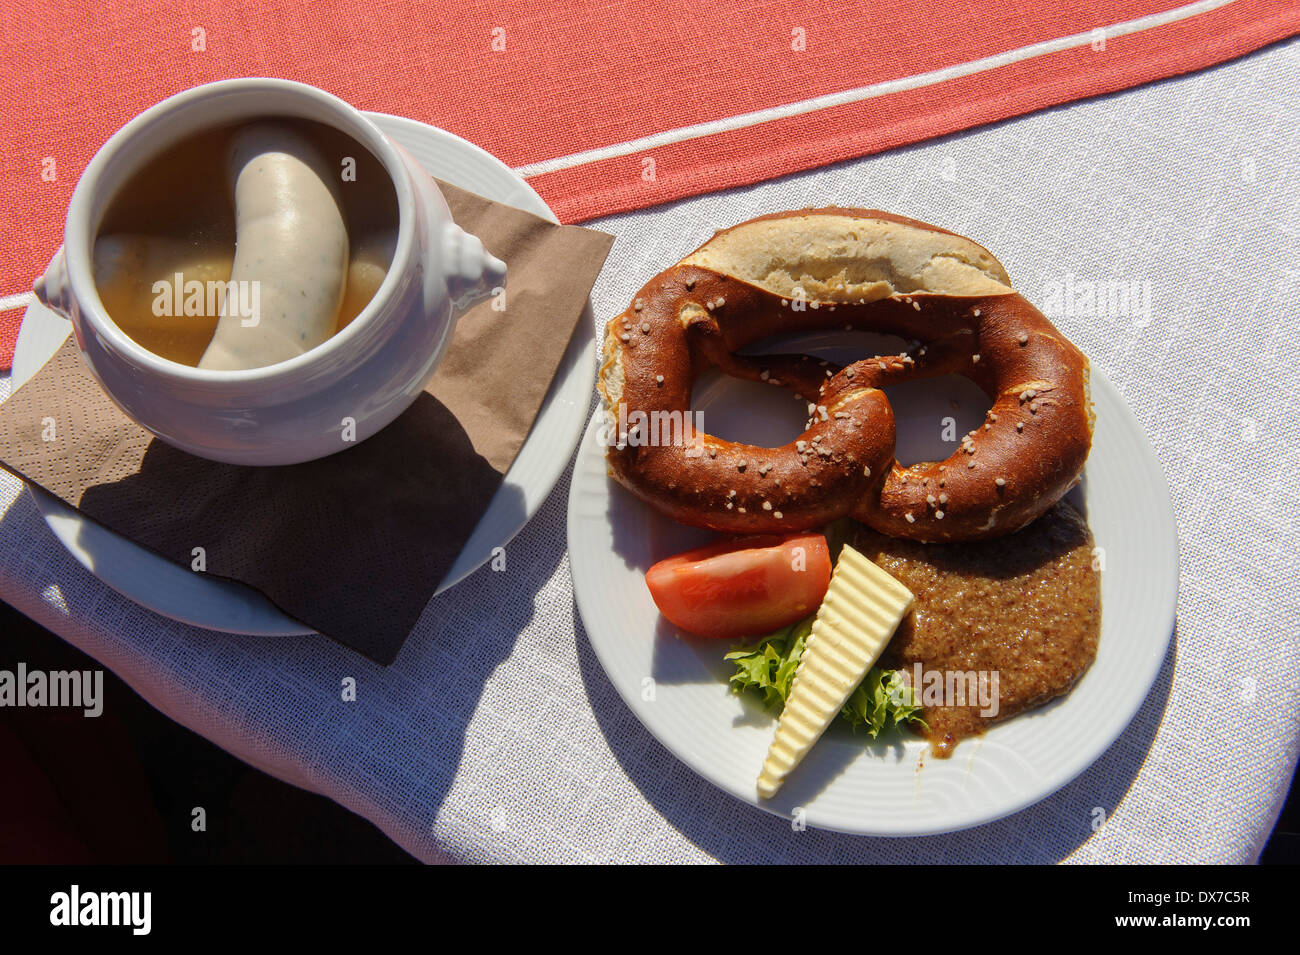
[862, 609]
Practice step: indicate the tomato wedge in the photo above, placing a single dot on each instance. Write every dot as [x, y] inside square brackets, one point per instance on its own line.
[742, 587]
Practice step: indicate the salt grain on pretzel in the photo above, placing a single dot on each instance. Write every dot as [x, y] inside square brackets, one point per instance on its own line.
[876, 266]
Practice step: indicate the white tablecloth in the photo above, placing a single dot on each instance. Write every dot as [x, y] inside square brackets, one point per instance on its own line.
[496, 736]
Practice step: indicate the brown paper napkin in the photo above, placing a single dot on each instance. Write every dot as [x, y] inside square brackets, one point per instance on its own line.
[353, 545]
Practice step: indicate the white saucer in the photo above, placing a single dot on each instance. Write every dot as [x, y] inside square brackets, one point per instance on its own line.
[894, 787]
[216, 604]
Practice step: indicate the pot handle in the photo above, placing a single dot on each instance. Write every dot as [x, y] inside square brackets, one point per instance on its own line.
[473, 273]
[52, 289]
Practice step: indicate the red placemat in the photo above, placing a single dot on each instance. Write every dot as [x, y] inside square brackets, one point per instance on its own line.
[606, 106]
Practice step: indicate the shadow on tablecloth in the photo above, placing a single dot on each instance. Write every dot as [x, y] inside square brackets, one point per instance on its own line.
[273, 701]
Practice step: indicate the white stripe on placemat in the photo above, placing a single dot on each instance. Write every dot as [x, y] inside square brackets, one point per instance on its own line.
[19, 300]
[827, 100]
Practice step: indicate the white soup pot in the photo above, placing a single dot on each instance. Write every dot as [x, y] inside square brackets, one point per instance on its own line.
[325, 399]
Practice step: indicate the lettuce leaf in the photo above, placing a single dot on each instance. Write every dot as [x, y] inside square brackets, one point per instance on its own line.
[882, 699]
[767, 666]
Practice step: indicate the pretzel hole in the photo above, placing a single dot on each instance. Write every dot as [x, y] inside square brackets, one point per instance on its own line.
[747, 412]
[932, 415]
[755, 412]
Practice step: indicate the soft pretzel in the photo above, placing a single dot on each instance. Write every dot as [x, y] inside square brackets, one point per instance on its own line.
[844, 268]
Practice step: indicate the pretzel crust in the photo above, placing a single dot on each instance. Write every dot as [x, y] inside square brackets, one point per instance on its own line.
[833, 267]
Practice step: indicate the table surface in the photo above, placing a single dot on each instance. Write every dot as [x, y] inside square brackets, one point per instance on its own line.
[496, 736]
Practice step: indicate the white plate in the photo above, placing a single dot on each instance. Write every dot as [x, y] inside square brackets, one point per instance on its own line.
[894, 787]
[217, 604]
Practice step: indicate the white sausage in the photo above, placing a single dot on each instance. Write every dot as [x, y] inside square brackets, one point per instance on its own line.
[291, 240]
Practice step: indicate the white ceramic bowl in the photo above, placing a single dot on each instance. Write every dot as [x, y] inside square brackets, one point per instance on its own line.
[296, 410]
